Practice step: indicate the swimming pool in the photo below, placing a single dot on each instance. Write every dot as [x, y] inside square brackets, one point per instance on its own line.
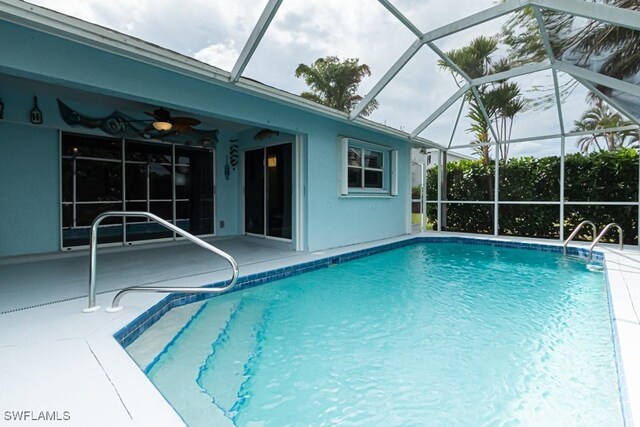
[432, 333]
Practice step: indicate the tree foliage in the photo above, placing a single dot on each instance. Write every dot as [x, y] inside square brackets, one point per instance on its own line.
[501, 100]
[334, 83]
[609, 49]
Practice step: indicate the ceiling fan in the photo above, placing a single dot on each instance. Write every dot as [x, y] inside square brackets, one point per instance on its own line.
[163, 122]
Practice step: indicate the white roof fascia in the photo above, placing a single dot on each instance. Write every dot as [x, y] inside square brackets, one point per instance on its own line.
[597, 78]
[252, 43]
[460, 92]
[95, 36]
[103, 38]
[596, 11]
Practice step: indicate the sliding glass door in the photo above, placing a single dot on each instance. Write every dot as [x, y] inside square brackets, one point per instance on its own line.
[268, 190]
[101, 174]
[91, 184]
[148, 181]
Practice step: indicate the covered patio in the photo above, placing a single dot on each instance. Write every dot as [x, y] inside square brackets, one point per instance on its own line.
[37, 280]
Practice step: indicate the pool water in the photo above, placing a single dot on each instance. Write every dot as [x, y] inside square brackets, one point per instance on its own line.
[442, 334]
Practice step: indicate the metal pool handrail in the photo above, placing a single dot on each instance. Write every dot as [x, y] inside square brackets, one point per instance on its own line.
[575, 232]
[116, 300]
[601, 235]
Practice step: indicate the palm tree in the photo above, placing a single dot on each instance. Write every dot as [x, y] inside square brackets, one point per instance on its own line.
[502, 100]
[600, 116]
[334, 83]
[507, 101]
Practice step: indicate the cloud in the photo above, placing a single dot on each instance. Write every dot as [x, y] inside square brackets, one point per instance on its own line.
[215, 32]
[219, 55]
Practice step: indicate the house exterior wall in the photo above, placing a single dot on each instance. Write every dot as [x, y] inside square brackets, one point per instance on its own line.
[30, 194]
[77, 74]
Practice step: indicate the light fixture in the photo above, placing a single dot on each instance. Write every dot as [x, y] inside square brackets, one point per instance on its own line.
[162, 126]
[272, 161]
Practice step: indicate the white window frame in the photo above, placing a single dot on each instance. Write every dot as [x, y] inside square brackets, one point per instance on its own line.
[389, 169]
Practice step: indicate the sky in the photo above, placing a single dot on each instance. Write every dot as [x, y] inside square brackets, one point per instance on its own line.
[214, 31]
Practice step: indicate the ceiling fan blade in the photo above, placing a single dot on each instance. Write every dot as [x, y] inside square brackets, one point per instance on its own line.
[150, 114]
[149, 128]
[187, 121]
[181, 128]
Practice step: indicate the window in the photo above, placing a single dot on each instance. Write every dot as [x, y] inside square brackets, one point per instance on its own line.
[367, 169]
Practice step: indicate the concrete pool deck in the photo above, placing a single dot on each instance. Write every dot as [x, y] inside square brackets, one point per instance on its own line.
[56, 361]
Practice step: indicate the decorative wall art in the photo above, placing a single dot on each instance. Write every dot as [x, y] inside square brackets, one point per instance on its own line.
[36, 114]
[233, 153]
[119, 124]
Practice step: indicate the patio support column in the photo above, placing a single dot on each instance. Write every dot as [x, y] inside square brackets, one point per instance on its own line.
[173, 189]
[496, 190]
[442, 183]
[123, 171]
[562, 153]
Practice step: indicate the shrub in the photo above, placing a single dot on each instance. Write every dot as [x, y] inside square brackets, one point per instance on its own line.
[599, 177]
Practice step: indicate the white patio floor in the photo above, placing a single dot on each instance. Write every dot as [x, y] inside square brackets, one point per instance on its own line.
[55, 358]
[37, 280]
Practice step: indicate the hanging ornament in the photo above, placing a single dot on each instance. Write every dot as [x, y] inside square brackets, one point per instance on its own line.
[226, 169]
[233, 153]
[36, 114]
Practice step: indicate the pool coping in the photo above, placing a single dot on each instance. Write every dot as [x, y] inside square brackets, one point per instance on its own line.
[127, 334]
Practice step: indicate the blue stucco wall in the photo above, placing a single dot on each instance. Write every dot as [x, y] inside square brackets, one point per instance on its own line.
[29, 199]
[335, 220]
[330, 220]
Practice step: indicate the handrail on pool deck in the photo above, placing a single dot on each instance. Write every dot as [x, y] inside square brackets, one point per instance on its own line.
[575, 232]
[601, 235]
[115, 305]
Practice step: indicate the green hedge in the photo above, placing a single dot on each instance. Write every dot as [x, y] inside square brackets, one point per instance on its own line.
[602, 176]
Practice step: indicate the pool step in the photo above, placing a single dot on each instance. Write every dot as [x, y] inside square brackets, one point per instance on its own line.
[227, 367]
[150, 344]
[175, 369]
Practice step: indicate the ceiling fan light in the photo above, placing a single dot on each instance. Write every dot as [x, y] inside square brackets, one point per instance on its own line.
[162, 126]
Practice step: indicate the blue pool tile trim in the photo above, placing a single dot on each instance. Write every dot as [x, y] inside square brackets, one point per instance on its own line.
[133, 330]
